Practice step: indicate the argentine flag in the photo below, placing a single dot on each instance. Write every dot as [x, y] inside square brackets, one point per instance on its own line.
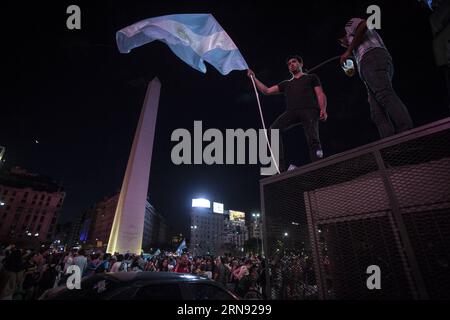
[181, 247]
[194, 38]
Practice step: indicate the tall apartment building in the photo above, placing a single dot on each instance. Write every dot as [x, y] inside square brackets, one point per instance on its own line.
[215, 231]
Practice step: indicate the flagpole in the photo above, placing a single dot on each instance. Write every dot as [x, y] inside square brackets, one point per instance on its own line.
[263, 124]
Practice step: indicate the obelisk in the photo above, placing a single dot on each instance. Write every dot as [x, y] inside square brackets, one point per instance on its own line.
[128, 226]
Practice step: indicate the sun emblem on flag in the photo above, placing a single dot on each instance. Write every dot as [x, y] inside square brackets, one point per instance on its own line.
[183, 35]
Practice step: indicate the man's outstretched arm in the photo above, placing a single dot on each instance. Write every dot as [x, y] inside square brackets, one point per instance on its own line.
[262, 87]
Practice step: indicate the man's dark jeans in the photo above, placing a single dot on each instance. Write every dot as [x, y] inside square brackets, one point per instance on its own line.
[386, 109]
[309, 118]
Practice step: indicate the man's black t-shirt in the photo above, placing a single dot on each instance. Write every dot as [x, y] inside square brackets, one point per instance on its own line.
[300, 92]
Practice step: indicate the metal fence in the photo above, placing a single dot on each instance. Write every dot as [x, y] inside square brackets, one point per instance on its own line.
[385, 204]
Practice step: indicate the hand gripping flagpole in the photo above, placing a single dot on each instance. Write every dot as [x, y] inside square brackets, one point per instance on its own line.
[263, 124]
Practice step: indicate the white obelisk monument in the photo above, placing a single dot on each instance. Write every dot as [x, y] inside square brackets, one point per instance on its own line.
[128, 226]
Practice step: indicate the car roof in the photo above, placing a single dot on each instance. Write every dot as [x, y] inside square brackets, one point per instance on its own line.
[155, 276]
[144, 278]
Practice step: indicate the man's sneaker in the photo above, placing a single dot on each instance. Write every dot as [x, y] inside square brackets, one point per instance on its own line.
[291, 167]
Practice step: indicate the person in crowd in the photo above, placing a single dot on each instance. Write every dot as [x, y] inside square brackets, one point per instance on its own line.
[11, 275]
[182, 265]
[248, 283]
[81, 261]
[103, 265]
[49, 274]
[93, 262]
[221, 273]
[118, 265]
[243, 270]
[163, 266]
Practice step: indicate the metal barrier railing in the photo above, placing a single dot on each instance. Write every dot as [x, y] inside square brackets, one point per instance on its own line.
[385, 204]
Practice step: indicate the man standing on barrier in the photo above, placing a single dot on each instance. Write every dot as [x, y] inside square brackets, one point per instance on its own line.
[306, 104]
[376, 70]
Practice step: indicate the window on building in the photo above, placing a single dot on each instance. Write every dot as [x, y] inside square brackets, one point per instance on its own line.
[39, 228]
[5, 192]
[14, 193]
[42, 197]
[34, 218]
[41, 219]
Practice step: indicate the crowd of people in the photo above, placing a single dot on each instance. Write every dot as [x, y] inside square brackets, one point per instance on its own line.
[27, 274]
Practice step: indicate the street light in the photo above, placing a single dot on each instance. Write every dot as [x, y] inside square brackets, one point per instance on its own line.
[286, 234]
[2, 203]
[256, 216]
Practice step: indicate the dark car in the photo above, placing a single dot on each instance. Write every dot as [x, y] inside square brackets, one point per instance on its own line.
[143, 286]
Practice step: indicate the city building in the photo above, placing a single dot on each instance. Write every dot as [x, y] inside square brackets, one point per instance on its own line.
[102, 221]
[207, 229]
[155, 229]
[254, 229]
[82, 227]
[236, 231]
[96, 224]
[30, 205]
[216, 231]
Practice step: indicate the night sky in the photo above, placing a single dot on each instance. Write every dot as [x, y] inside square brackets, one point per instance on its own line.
[80, 98]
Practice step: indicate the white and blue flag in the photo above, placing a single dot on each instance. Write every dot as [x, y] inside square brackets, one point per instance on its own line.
[181, 247]
[194, 38]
